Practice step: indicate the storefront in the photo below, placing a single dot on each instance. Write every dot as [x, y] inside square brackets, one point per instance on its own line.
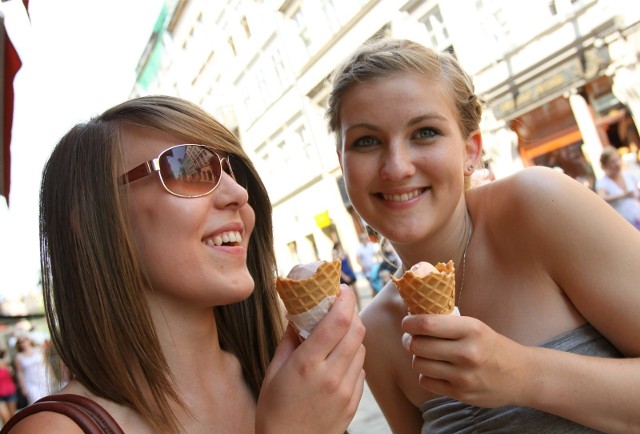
[564, 110]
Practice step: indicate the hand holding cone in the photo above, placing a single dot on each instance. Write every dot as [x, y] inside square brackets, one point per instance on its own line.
[426, 289]
[308, 292]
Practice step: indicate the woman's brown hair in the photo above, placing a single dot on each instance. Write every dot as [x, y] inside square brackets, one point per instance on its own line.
[93, 280]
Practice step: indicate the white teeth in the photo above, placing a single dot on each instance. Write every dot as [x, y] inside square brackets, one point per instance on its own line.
[226, 237]
[401, 197]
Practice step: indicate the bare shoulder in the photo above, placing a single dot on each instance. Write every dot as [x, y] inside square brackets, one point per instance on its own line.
[533, 197]
[566, 237]
[46, 421]
[528, 187]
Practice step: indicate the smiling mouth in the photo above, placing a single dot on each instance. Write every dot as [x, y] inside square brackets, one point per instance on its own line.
[403, 197]
[231, 238]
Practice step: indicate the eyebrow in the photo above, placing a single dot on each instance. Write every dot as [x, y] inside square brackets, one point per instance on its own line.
[431, 117]
[412, 121]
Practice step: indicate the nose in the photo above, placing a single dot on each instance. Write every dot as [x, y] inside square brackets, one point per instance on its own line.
[397, 163]
[230, 194]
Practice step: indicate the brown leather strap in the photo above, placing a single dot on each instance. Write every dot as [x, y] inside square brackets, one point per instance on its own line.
[87, 414]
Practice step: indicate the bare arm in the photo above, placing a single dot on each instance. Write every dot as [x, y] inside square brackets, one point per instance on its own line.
[596, 263]
[386, 363]
[614, 197]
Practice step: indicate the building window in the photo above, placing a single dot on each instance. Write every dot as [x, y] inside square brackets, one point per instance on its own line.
[293, 251]
[330, 15]
[495, 23]
[436, 30]
[232, 46]
[245, 26]
[563, 7]
[301, 25]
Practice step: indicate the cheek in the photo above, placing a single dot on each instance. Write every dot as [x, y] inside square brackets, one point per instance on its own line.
[158, 224]
[248, 218]
[356, 171]
[356, 181]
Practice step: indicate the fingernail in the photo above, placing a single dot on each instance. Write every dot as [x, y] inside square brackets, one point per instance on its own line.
[406, 341]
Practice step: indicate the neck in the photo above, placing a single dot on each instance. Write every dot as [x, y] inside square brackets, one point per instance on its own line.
[445, 244]
[462, 263]
[188, 337]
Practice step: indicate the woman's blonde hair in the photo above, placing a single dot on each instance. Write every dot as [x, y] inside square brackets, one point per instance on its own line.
[94, 282]
[384, 57]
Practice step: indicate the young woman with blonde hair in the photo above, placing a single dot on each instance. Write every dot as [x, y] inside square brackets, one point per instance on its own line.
[546, 272]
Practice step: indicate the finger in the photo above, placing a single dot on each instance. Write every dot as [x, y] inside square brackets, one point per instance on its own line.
[431, 348]
[440, 326]
[286, 347]
[355, 370]
[435, 385]
[351, 341]
[357, 392]
[434, 369]
[348, 359]
[332, 328]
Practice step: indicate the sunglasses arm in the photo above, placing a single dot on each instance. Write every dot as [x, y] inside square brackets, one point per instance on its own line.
[145, 169]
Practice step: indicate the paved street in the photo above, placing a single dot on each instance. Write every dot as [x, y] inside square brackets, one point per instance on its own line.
[368, 419]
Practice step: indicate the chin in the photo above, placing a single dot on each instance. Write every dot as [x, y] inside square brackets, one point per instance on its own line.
[241, 289]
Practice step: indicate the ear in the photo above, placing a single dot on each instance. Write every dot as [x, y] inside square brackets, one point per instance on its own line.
[473, 151]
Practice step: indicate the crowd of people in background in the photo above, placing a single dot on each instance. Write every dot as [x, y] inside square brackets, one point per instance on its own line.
[620, 186]
[26, 374]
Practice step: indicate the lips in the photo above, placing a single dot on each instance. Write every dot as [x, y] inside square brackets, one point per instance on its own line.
[401, 197]
[229, 238]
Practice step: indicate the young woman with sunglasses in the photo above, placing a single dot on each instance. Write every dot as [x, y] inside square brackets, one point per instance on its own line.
[158, 273]
[547, 273]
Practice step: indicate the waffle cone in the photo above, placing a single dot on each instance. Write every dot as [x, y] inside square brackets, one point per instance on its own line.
[301, 295]
[433, 293]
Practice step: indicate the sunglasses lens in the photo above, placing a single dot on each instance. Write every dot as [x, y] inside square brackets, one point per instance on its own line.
[190, 170]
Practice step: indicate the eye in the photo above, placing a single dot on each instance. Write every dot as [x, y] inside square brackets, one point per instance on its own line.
[365, 142]
[426, 133]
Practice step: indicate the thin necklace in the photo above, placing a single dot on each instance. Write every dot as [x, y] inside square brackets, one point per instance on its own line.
[464, 263]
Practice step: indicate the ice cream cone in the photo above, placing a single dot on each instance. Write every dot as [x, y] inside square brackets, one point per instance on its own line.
[300, 292]
[432, 293]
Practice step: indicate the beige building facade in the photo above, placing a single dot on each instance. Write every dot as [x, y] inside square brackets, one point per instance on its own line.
[559, 78]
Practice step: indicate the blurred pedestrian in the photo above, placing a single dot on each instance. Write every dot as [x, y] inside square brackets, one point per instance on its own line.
[31, 369]
[619, 186]
[8, 389]
[367, 255]
[386, 267]
[385, 276]
[347, 275]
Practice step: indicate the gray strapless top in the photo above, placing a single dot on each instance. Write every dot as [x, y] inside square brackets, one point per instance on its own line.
[446, 415]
